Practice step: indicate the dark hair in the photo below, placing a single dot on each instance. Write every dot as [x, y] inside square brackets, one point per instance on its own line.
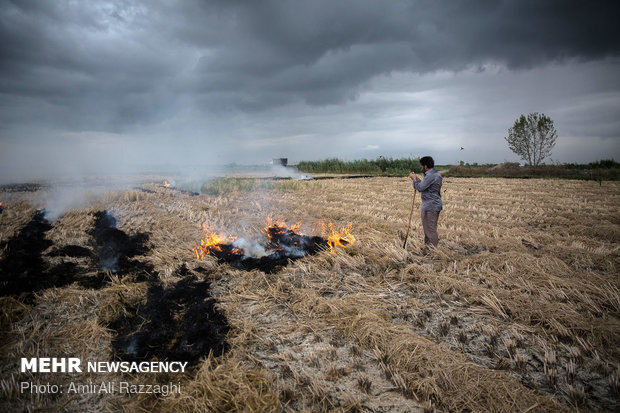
[428, 161]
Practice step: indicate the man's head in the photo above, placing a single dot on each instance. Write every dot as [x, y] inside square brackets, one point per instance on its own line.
[427, 163]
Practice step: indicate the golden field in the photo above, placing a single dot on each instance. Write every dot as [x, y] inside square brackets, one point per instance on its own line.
[517, 310]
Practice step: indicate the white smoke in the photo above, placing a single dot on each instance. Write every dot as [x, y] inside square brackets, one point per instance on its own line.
[293, 251]
[288, 172]
[58, 197]
[250, 247]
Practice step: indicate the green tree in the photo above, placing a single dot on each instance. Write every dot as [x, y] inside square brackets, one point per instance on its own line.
[532, 138]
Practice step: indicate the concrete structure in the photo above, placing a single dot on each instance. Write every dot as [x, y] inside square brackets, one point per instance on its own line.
[280, 161]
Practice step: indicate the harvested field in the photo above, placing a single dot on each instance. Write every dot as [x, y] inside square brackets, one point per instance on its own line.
[517, 310]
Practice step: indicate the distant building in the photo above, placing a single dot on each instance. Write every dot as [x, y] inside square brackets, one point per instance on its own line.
[280, 161]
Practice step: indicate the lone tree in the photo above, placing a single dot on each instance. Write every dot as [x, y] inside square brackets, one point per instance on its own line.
[532, 137]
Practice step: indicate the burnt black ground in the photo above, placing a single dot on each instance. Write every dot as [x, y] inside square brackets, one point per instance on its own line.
[178, 322]
[74, 251]
[25, 187]
[114, 248]
[23, 268]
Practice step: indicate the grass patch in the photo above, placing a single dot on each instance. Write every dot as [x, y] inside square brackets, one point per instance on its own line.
[291, 185]
[221, 186]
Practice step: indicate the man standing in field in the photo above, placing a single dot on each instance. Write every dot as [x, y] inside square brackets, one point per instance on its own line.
[430, 191]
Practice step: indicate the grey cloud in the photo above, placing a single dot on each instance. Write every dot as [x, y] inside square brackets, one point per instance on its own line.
[91, 64]
[307, 49]
[251, 55]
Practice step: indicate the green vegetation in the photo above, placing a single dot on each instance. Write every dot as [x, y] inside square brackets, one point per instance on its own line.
[379, 166]
[602, 164]
[285, 185]
[220, 186]
[604, 170]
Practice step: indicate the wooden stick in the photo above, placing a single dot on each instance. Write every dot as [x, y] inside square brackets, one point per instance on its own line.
[410, 215]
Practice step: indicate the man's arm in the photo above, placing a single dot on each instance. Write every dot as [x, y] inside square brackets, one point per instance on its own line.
[413, 178]
[424, 184]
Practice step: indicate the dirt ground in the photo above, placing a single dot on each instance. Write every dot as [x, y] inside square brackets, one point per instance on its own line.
[517, 310]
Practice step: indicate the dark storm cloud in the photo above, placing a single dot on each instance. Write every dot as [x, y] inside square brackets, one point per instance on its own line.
[84, 66]
[272, 53]
[111, 65]
[321, 51]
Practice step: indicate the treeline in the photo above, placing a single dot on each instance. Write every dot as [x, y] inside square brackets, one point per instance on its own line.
[607, 169]
[381, 165]
[604, 170]
[602, 164]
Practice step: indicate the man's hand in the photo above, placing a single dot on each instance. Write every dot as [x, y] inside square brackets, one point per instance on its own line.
[412, 176]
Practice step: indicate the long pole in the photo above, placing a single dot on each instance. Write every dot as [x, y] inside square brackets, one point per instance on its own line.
[410, 215]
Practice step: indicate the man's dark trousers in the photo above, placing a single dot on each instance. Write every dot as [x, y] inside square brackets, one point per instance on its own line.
[429, 224]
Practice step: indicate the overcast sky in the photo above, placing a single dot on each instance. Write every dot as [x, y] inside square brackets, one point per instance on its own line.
[90, 86]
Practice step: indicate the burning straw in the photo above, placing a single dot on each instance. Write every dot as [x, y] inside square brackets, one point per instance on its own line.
[282, 244]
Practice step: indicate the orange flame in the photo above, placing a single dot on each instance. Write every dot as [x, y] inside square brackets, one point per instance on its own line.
[334, 237]
[319, 228]
[280, 226]
[212, 241]
[209, 244]
[166, 184]
[337, 238]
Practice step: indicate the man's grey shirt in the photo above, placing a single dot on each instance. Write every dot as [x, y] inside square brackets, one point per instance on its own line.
[430, 190]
